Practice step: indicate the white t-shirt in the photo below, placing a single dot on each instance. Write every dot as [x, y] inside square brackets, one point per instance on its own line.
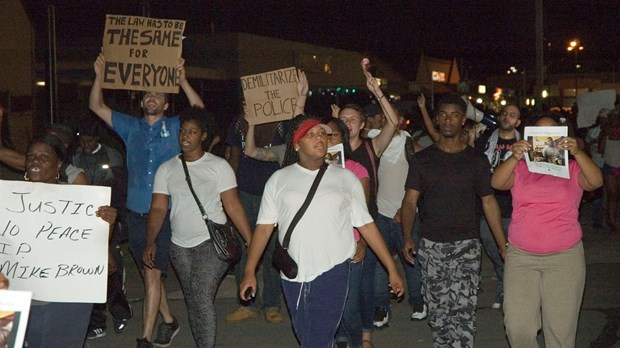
[392, 175]
[322, 238]
[211, 175]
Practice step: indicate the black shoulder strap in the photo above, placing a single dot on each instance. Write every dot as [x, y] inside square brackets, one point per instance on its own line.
[191, 188]
[409, 151]
[302, 210]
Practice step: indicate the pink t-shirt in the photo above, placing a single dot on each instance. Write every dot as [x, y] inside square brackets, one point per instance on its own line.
[360, 172]
[545, 210]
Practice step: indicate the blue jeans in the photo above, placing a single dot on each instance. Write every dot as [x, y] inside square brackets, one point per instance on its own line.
[316, 307]
[58, 324]
[271, 289]
[488, 241]
[350, 329]
[200, 273]
[393, 236]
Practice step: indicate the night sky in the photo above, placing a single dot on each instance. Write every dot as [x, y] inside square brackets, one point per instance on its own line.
[486, 37]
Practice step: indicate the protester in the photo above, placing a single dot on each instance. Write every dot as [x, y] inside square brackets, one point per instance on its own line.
[545, 271]
[367, 152]
[349, 332]
[392, 174]
[252, 175]
[17, 160]
[591, 142]
[56, 324]
[192, 252]
[149, 141]
[497, 146]
[609, 146]
[103, 166]
[445, 182]
[322, 242]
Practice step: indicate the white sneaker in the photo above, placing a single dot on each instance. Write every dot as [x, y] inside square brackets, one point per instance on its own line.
[419, 312]
[496, 305]
[381, 318]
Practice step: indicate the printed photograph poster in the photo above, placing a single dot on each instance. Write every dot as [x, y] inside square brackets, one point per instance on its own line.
[335, 155]
[142, 53]
[14, 312]
[51, 242]
[546, 157]
[270, 96]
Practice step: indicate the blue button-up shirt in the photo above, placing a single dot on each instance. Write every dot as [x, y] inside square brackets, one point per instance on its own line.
[146, 149]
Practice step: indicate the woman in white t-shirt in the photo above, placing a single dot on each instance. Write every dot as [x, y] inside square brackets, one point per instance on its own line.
[192, 252]
[322, 243]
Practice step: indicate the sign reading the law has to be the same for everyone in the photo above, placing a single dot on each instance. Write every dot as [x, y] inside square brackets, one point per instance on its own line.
[51, 242]
[142, 53]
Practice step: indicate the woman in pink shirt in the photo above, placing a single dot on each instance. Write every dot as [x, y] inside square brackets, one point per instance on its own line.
[545, 273]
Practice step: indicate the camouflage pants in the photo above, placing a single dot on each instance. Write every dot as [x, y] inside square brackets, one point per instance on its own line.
[450, 277]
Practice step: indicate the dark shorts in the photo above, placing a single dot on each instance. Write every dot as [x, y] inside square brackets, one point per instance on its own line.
[136, 224]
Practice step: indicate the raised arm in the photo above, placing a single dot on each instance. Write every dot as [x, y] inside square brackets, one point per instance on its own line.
[428, 121]
[95, 100]
[504, 175]
[381, 141]
[259, 153]
[302, 93]
[193, 97]
[590, 177]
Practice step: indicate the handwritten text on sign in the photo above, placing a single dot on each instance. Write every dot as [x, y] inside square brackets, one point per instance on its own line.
[270, 96]
[51, 242]
[141, 53]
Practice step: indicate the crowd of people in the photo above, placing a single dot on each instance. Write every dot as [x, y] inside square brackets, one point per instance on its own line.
[437, 199]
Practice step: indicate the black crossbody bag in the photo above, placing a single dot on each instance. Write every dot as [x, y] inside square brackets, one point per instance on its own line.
[281, 258]
[224, 237]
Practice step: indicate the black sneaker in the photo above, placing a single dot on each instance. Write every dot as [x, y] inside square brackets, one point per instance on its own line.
[120, 325]
[381, 318]
[95, 333]
[165, 333]
[143, 343]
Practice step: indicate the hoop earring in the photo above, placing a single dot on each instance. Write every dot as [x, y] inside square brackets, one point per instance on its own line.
[26, 178]
[58, 177]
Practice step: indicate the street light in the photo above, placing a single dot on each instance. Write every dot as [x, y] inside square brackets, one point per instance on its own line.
[575, 46]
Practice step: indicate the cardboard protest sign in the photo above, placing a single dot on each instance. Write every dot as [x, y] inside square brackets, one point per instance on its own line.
[591, 103]
[51, 242]
[141, 53]
[270, 96]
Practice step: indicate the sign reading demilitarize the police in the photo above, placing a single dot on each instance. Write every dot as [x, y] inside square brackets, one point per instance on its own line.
[141, 53]
[51, 242]
[270, 96]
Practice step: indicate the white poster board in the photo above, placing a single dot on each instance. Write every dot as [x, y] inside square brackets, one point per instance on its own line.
[14, 312]
[51, 242]
[589, 104]
[545, 156]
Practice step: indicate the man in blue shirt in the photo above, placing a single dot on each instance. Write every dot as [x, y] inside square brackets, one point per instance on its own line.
[149, 141]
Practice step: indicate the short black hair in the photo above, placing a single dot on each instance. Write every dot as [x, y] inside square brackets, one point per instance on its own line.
[52, 141]
[203, 118]
[453, 99]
